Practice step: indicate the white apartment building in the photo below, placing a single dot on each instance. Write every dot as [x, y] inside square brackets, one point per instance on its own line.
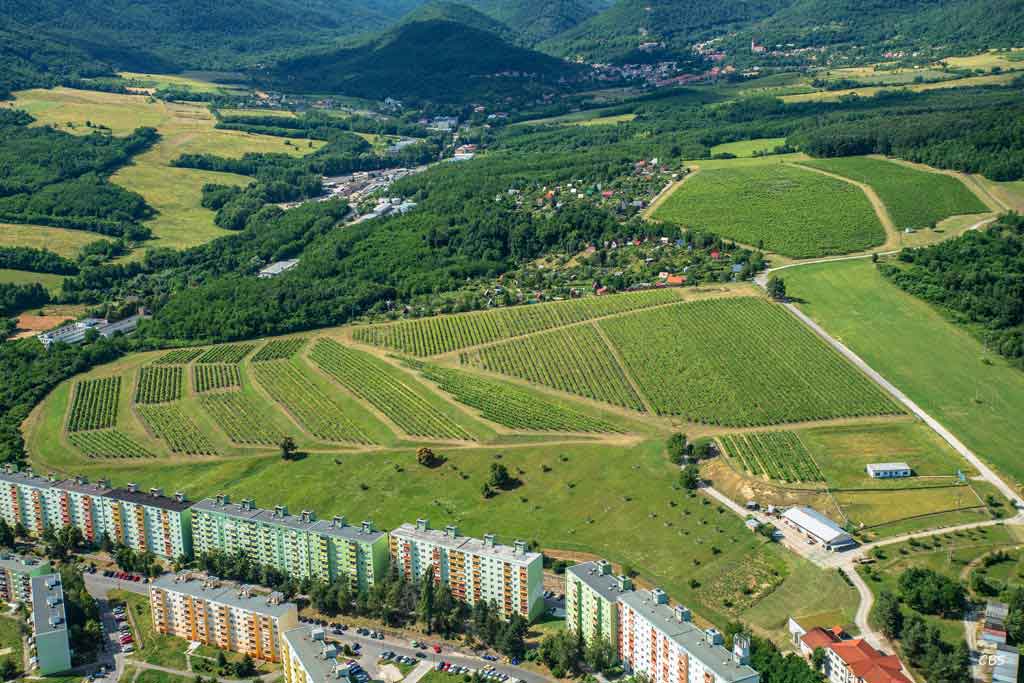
[665, 646]
[226, 616]
[474, 569]
[309, 658]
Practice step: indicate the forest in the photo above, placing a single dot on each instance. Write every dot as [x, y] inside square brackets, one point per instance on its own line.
[977, 278]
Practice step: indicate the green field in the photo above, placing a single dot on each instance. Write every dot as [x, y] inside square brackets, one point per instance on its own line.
[914, 198]
[170, 424]
[748, 148]
[95, 404]
[776, 455]
[61, 241]
[23, 277]
[871, 91]
[210, 376]
[791, 211]
[739, 362]
[972, 392]
[159, 384]
[876, 509]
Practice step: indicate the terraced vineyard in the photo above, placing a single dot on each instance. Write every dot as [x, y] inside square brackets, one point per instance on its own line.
[315, 411]
[226, 353]
[776, 455]
[442, 334]
[107, 443]
[209, 376]
[240, 418]
[739, 362]
[94, 405]
[279, 349]
[915, 199]
[369, 379]
[792, 211]
[159, 384]
[572, 359]
[507, 404]
[167, 422]
[178, 357]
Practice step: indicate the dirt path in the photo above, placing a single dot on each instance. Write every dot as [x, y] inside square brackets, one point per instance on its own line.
[667, 192]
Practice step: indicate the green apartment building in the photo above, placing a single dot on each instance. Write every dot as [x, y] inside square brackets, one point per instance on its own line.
[592, 601]
[51, 647]
[16, 574]
[300, 545]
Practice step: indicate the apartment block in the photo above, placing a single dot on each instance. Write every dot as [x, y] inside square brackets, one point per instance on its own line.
[143, 521]
[16, 574]
[592, 601]
[309, 658]
[300, 545]
[50, 644]
[474, 569]
[225, 616]
[662, 644]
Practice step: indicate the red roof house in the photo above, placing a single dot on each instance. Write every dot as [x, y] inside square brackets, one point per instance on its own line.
[858, 661]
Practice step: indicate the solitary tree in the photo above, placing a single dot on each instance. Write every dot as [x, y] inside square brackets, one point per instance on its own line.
[690, 477]
[777, 288]
[288, 448]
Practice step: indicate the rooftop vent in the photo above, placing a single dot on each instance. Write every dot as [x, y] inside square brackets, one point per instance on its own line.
[659, 597]
[133, 487]
[714, 636]
[367, 526]
[452, 531]
[223, 499]
[422, 524]
[156, 493]
[339, 521]
[488, 540]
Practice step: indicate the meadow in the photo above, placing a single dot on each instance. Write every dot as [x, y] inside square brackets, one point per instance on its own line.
[185, 128]
[748, 148]
[787, 210]
[871, 91]
[914, 198]
[24, 277]
[739, 362]
[61, 241]
[974, 393]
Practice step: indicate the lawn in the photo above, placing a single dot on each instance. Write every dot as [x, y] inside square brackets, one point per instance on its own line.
[66, 243]
[974, 393]
[185, 128]
[880, 508]
[747, 148]
[151, 676]
[11, 640]
[914, 198]
[787, 210]
[152, 647]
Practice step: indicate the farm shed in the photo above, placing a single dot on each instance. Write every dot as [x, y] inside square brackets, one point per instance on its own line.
[889, 470]
[818, 527]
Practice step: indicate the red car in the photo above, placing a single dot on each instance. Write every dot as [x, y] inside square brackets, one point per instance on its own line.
[437, 649]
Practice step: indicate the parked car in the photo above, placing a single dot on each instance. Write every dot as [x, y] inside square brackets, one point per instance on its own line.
[437, 648]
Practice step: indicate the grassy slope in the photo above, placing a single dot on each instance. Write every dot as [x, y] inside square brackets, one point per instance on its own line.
[24, 277]
[747, 148]
[939, 365]
[60, 241]
[184, 128]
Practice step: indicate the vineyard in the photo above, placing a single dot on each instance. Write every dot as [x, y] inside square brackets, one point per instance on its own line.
[227, 353]
[739, 362]
[167, 422]
[776, 455]
[791, 211]
[315, 411]
[240, 418]
[507, 404]
[208, 377]
[442, 334]
[179, 357]
[279, 349]
[108, 443]
[95, 404]
[573, 359]
[369, 379]
[159, 384]
[915, 199]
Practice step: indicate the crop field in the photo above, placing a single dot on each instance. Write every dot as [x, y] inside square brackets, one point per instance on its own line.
[211, 376]
[159, 384]
[226, 353]
[914, 198]
[240, 418]
[739, 362]
[312, 408]
[573, 359]
[169, 423]
[508, 404]
[107, 443]
[279, 349]
[443, 334]
[776, 455]
[791, 211]
[374, 381]
[95, 404]
[179, 357]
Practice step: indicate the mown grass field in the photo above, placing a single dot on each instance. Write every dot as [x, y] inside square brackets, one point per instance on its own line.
[184, 128]
[971, 391]
[790, 211]
[747, 148]
[66, 243]
[23, 277]
[914, 198]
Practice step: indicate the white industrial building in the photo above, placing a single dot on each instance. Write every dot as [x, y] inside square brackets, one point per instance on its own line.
[889, 470]
[818, 527]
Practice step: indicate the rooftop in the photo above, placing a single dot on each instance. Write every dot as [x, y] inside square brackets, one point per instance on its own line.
[23, 565]
[48, 604]
[152, 498]
[450, 538]
[690, 637]
[817, 524]
[600, 580]
[12, 475]
[868, 663]
[889, 466]
[337, 527]
[314, 654]
[81, 485]
[226, 593]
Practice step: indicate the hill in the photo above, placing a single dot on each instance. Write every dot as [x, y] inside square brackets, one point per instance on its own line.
[443, 10]
[438, 60]
[537, 20]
